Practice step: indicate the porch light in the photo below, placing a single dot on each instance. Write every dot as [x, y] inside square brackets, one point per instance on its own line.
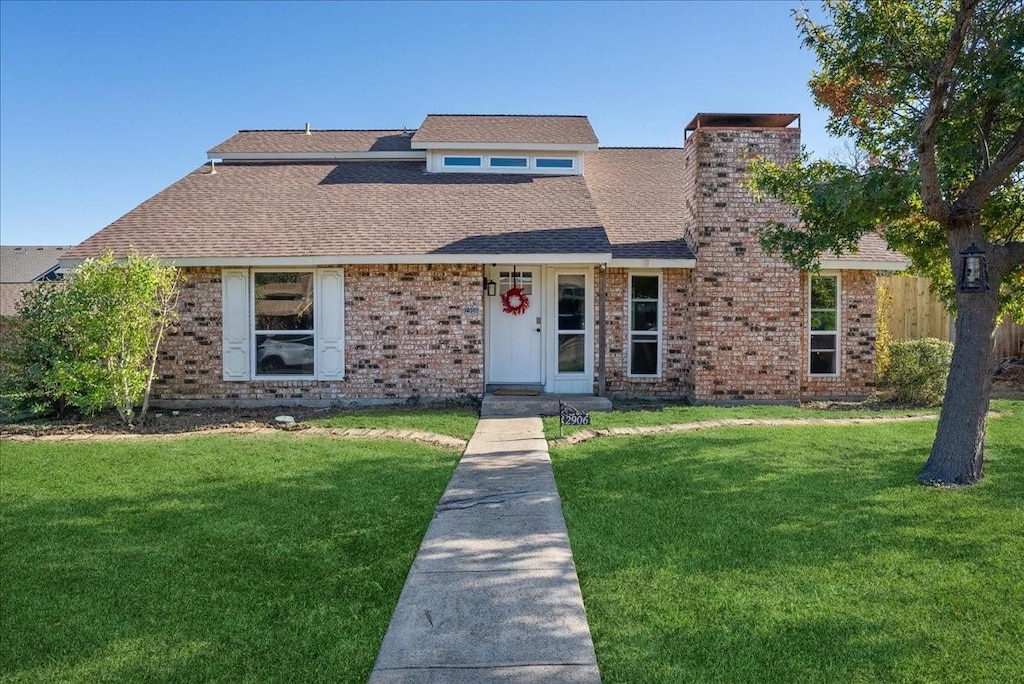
[973, 271]
[490, 286]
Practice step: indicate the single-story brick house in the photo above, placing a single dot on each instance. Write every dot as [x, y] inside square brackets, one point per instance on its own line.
[480, 251]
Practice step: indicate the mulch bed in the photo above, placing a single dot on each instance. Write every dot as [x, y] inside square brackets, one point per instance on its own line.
[166, 422]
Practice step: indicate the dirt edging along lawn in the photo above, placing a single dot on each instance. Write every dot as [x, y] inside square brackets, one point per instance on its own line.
[429, 438]
[589, 434]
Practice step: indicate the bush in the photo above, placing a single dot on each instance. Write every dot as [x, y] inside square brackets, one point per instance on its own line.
[90, 342]
[917, 370]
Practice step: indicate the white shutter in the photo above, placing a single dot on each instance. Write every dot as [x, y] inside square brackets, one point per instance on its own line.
[330, 324]
[235, 323]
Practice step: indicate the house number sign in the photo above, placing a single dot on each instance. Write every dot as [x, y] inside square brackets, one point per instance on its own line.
[570, 415]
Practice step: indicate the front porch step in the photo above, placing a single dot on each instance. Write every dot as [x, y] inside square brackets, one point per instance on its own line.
[543, 405]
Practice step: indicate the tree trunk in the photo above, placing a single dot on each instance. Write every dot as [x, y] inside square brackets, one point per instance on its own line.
[959, 449]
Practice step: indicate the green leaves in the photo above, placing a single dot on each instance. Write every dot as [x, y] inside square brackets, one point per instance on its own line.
[89, 342]
[888, 71]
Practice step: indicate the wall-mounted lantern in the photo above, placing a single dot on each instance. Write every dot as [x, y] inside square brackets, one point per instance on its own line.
[973, 270]
[490, 286]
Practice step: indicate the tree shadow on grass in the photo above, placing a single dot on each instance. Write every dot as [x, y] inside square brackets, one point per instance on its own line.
[290, 574]
[804, 553]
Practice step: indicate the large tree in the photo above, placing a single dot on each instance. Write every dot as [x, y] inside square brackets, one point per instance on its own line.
[933, 92]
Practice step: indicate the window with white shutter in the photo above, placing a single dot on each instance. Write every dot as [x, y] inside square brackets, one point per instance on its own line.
[235, 324]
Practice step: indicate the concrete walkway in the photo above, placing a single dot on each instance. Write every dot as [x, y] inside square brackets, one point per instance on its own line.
[493, 594]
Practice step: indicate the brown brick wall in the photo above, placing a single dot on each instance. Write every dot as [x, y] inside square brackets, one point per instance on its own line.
[858, 308]
[407, 334]
[676, 380]
[745, 304]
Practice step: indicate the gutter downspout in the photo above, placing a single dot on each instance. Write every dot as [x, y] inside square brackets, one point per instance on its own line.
[601, 381]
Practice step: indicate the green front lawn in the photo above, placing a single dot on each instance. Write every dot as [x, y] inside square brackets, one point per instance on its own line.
[454, 422]
[277, 558]
[807, 554]
[625, 414]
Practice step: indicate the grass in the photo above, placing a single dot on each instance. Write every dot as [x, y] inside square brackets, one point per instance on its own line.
[625, 414]
[277, 558]
[454, 422]
[797, 554]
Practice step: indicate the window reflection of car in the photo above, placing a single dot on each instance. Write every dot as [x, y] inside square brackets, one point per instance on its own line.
[274, 355]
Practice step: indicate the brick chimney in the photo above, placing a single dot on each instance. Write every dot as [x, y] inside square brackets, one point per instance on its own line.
[745, 305]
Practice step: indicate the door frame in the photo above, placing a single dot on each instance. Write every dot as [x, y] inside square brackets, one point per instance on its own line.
[544, 303]
[568, 383]
[536, 310]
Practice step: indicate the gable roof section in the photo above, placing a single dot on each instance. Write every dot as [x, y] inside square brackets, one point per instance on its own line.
[872, 254]
[327, 141]
[639, 194]
[24, 264]
[504, 129]
[365, 211]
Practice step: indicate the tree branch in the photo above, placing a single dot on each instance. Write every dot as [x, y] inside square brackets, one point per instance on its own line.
[1014, 253]
[935, 207]
[1011, 156]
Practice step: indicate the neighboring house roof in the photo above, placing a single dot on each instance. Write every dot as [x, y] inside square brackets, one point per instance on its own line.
[505, 129]
[316, 141]
[25, 264]
[21, 269]
[639, 194]
[368, 208]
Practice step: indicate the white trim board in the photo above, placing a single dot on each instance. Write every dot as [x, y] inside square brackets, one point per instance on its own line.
[553, 259]
[521, 146]
[653, 263]
[861, 265]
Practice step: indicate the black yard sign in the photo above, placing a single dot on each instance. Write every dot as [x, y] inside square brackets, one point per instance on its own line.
[570, 415]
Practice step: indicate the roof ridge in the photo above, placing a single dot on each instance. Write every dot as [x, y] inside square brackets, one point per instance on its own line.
[560, 116]
[324, 130]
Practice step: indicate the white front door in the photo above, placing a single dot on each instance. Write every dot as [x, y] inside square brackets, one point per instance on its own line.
[514, 325]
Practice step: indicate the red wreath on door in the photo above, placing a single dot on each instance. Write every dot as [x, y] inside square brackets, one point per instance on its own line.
[515, 301]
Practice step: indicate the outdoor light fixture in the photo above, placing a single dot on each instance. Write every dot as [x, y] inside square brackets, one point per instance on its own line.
[490, 286]
[973, 271]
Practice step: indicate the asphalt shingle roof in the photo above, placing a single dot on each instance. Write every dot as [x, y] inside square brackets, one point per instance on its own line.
[355, 208]
[871, 247]
[505, 129]
[23, 264]
[639, 194]
[316, 141]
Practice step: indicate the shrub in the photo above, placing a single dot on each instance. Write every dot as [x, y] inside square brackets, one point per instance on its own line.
[917, 370]
[91, 341]
[883, 337]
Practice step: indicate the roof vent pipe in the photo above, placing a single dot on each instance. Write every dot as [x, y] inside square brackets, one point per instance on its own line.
[308, 131]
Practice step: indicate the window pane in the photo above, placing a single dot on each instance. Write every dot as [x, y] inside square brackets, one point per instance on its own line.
[284, 354]
[645, 316]
[462, 161]
[644, 287]
[823, 362]
[543, 163]
[821, 342]
[823, 320]
[515, 162]
[570, 354]
[284, 301]
[823, 292]
[572, 298]
[643, 359]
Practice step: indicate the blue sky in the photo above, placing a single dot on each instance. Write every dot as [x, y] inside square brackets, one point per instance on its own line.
[104, 104]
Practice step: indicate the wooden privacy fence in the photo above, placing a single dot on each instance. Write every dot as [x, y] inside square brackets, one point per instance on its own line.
[915, 313]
